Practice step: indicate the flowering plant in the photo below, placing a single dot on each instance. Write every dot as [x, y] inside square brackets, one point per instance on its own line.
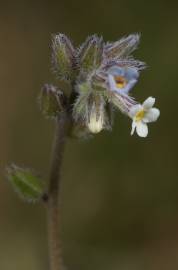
[100, 77]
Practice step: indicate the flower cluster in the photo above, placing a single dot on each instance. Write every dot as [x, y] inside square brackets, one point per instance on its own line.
[102, 76]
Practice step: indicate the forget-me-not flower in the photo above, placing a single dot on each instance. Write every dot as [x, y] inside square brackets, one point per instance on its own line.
[143, 114]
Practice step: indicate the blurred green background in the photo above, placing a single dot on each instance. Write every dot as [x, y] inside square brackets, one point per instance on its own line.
[120, 193]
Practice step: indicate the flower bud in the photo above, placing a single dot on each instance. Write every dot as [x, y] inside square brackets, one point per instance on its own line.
[52, 101]
[63, 57]
[100, 115]
[91, 109]
[96, 113]
[98, 81]
[90, 53]
[96, 121]
[123, 47]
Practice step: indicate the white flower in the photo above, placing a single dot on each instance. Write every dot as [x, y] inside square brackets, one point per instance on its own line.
[143, 114]
[96, 121]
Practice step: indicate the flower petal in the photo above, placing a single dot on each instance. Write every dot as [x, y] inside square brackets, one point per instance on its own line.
[112, 83]
[151, 115]
[128, 87]
[116, 71]
[134, 109]
[142, 129]
[131, 73]
[133, 127]
[148, 103]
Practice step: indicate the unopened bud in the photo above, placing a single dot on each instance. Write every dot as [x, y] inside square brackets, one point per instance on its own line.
[92, 110]
[95, 124]
[52, 101]
[98, 82]
[96, 116]
[122, 47]
[63, 57]
[90, 53]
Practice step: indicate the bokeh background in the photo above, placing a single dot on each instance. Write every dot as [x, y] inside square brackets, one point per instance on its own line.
[120, 193]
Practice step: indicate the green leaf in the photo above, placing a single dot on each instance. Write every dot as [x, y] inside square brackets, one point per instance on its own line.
[25, 183]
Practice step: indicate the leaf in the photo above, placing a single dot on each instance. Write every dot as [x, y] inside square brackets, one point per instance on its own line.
[29, 187]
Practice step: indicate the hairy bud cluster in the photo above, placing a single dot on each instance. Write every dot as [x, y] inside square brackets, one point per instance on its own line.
[101, 77]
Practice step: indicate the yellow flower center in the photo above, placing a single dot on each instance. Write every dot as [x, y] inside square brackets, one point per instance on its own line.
[120, 81]
[139, 115]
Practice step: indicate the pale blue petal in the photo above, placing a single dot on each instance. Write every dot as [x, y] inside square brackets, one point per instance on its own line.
[127, 88]
[131, 73]
[116, 71]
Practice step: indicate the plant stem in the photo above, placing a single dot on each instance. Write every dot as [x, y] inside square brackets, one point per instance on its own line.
[54, 210]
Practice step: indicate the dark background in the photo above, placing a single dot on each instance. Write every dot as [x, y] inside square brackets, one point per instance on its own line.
[120, 193]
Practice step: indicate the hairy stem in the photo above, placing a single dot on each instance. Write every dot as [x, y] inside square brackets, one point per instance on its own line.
[54, 210]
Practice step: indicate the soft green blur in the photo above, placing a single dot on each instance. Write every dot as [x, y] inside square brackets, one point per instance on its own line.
[120, 193]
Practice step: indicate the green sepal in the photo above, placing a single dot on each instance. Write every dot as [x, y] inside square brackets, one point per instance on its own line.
[98, 82]
[90, 53]
[52, 101]
[27, 185]
[63, 57]
[81, 105]
[122, 48]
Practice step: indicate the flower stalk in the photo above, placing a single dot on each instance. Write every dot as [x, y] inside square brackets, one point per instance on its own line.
[54, 198]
